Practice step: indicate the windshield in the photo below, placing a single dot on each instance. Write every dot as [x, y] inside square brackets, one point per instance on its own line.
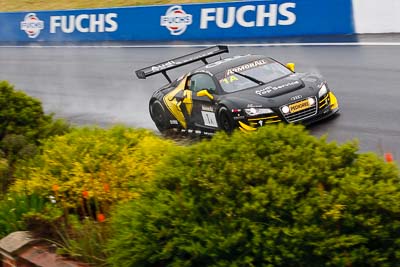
[251, 74]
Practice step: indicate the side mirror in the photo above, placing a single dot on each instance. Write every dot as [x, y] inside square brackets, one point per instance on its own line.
[205, 92]
[290, 66]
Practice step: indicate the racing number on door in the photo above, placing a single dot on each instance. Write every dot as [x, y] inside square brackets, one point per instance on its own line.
[209, 119]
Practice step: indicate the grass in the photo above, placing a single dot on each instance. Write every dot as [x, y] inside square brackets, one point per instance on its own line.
[30, 5]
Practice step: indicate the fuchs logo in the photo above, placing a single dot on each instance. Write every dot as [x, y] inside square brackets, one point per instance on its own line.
[32, 25]
[176, 20]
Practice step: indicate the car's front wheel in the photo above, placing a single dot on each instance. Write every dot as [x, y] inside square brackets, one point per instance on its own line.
[225, 121]
[157, 113]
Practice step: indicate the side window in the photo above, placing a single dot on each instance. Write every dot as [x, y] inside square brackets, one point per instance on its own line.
[200, 82]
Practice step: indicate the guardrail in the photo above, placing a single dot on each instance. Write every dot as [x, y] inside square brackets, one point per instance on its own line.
[211, 21]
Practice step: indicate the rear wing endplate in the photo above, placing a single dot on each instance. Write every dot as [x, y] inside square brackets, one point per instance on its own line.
[163, 67]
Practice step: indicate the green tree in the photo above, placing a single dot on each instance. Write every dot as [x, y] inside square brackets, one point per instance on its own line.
[20, 114]
[22, 125]
[276, 197]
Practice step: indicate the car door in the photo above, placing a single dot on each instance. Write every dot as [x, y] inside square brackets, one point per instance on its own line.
[203, 115]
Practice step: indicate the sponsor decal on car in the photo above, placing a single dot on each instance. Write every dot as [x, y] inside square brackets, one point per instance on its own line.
[245, 67]
[207, 108]
[270, 89]
[172, 63]
[198, 132]
[299, 106]
[254, 106]
[208, 133]
[32, 25]
[165, 65]
[239, 117]
[176, 20]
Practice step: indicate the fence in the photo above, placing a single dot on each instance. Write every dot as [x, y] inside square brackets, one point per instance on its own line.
[189, 22]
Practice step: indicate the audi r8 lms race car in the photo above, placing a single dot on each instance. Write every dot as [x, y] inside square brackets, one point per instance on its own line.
[245, 92]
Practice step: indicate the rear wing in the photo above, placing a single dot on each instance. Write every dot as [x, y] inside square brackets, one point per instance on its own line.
[163, 67]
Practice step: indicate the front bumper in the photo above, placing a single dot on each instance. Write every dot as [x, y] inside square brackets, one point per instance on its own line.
[327, 106]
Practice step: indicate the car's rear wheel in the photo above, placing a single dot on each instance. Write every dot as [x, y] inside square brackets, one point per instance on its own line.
[157, 113]
[225, 121]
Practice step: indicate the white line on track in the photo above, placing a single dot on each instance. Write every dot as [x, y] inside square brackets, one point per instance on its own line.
[207, 45]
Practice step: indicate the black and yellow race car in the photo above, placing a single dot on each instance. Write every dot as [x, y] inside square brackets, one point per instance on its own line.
[245, 92]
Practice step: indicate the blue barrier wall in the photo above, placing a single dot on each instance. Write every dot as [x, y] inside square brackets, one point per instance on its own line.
[216, 21]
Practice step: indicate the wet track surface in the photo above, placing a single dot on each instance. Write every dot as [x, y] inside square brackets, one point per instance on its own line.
[97, 85]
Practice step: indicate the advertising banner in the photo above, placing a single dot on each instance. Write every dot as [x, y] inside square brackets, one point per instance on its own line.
[189, 22]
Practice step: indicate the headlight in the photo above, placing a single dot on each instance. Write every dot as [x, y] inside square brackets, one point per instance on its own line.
[285, 109]
[311, 101]
[257, 111]
[322, 91]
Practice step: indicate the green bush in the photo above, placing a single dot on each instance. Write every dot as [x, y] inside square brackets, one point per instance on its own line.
[21, 114]
[22, 125]
[21, 211]
[277, 197]
[84, 240]
[89, 169]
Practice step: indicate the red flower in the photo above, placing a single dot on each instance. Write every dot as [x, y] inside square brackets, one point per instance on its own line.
[85, 194]
[101, 217]
[55, 187]
[106, 187]
[388, 157]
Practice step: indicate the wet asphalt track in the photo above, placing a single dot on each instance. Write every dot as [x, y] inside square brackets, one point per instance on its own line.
[97, 85]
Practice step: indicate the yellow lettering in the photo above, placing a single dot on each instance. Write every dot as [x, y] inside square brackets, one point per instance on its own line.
[229, 79]
[233, 78]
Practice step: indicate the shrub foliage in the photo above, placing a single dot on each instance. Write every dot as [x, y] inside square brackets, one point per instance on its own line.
[277, 197]
[22, 125]
[86, 172]
[100, 166]
[20, 114]
[17, 212]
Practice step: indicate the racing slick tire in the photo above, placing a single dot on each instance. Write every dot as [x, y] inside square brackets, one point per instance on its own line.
[157, 113]
[225, 120]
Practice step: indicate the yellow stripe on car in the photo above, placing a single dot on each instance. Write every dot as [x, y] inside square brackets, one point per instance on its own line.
[322, 100]
[173, 105]
[187, 100]
[246, 127]
[334, 102]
